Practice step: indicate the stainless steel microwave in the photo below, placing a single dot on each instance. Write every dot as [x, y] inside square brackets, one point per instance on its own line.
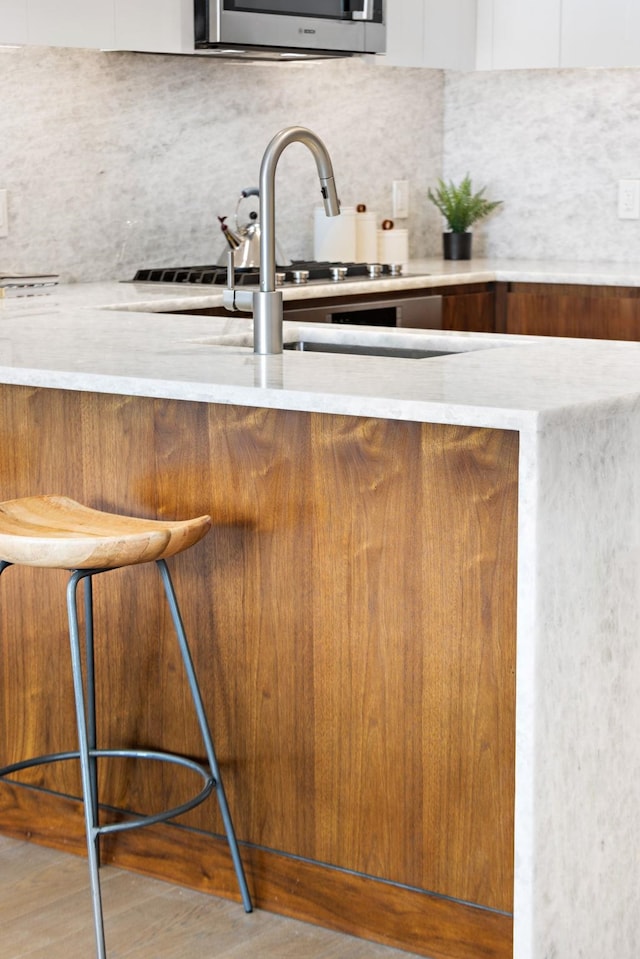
[293, 29]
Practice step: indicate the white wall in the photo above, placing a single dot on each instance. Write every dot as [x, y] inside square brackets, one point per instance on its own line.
[115, 161]
[552, 144]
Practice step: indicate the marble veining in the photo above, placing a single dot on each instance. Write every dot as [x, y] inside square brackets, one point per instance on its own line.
[551, 144]
[117, 161]
[577, 755]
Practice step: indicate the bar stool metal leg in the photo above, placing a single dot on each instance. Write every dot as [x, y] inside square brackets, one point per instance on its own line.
[206, 732]
[87, 736]
[92, 731]
[86, 760]
[88, 750]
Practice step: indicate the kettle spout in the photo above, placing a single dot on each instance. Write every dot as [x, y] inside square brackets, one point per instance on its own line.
[232, 238]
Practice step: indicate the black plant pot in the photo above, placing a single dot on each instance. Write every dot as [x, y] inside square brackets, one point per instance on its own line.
[457, 246]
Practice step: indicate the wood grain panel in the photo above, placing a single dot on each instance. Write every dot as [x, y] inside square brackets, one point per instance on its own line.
[610, 313]
[470, 312]
[352, 616]
[405, 918]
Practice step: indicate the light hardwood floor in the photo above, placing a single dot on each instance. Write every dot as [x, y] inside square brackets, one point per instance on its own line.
[45, 913]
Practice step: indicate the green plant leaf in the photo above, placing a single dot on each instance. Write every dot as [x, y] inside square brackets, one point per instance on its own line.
[459, 205]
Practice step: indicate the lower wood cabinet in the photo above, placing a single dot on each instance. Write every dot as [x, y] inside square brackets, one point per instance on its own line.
[546, 309]
[469, 308]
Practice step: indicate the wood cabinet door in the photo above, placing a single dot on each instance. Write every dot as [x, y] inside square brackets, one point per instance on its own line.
[600, 313]
[472, 312]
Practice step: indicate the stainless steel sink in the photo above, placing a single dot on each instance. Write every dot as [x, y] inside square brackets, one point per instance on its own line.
[359, 349]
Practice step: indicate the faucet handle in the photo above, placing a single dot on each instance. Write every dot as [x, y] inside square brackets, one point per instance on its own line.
[233, 299]
[229, 293]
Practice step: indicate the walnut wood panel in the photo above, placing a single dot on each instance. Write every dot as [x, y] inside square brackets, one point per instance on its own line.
[470, 312]
[358, 905]
[352, 615]
[610, 313]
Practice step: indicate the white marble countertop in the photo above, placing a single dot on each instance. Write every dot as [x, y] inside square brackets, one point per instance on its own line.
[108, 338]
[420, 274]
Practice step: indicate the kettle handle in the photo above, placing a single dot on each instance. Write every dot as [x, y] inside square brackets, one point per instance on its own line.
[247, 192]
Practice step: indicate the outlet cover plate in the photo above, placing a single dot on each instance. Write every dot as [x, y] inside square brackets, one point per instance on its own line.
[4, 214]
[400, 195]
[628, 199]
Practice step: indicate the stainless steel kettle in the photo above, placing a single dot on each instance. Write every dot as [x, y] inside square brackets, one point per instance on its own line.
[245, 239]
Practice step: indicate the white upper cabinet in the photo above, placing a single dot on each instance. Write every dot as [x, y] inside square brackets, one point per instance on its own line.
[431, 33]
[515, 34]
[600, 34]
[405, 33]
[156, 26]
[558, 33]
[443, 34]
[13, 21]
[164, 26]
[71, 23]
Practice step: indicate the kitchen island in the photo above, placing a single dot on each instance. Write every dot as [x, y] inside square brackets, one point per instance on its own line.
[421, 596]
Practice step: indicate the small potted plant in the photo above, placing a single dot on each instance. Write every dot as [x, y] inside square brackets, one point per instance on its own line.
[461, 208]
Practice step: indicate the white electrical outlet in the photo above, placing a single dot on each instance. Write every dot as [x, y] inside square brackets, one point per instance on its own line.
[400, 194]
[628, 199]
[4, 215]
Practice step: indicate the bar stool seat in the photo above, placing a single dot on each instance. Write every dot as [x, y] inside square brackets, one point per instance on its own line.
[55, 532]
[58, 533]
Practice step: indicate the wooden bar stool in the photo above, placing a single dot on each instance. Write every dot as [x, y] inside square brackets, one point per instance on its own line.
[58, 533]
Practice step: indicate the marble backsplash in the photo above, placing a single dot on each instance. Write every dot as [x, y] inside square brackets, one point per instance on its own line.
[552, 144]
[116, 161]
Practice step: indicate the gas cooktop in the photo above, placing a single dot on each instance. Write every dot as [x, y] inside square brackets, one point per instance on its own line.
[299, 271]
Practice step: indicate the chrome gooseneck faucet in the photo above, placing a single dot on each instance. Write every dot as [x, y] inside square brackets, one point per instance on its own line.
[266, 304]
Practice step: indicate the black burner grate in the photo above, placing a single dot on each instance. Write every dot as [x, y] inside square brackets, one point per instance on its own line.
[217, 275]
